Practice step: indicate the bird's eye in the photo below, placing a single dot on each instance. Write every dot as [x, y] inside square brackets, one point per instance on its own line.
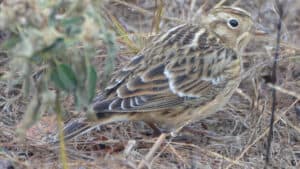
[233, 23]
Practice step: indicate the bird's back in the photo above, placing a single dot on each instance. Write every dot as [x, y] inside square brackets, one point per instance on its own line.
[184, 67]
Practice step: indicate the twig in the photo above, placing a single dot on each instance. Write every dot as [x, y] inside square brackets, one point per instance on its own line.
[220, 3]
[211, 153]
[178, 155]
[61, 132]
[157, 16]
[260, 136]
[274, 79]
[154, 148]
[285, 91]
[145, 12]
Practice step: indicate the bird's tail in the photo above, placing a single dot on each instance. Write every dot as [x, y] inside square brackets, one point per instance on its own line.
[73, 129]
[82, 126]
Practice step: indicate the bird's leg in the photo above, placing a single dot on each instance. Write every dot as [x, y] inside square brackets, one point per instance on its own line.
[156, 131]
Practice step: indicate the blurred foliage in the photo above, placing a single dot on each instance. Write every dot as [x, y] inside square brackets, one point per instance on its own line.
[50, 47]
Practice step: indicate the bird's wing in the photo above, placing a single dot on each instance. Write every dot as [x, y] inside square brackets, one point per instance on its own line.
[190, 68]
[201, 76]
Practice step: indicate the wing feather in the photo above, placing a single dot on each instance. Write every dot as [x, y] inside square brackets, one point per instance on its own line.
[183, 64]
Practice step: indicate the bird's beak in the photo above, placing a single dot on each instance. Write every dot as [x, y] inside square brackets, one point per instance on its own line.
[260, 31]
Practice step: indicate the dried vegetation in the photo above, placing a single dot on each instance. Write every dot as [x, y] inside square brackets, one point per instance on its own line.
[51, 46]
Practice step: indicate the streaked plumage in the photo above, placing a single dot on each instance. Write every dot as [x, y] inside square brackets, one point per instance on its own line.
[182, 75]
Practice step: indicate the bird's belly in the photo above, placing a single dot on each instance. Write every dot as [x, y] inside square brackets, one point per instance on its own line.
[191, 112]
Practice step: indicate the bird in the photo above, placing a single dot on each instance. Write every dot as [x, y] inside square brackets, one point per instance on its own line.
[181, 76]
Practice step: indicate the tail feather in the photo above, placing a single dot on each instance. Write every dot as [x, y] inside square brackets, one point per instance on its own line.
[81, 126]
[74, 129]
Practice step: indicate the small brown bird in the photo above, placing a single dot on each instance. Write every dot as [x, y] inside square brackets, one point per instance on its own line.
[181, 76]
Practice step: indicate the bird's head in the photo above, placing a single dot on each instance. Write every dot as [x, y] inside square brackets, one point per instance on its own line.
[233, 25]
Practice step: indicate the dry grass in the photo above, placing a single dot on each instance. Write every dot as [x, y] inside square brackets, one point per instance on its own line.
[233, 138]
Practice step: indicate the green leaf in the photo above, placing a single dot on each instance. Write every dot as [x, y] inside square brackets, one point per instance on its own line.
[72, 26]
[78, 20]
[11, 42]
[37, 58]
[57, 45]
[92, 80]
[64, 77]
[56, 80]
[109, 40]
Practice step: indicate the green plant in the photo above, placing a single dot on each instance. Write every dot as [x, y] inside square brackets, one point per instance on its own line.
[50, 49]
